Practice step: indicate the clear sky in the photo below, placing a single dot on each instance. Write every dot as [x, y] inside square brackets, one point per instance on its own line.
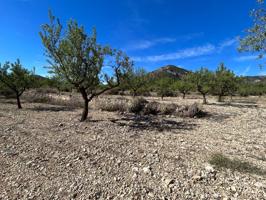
[186, 33]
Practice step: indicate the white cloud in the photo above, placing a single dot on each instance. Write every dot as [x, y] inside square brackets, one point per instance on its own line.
[181, 54]
[227, 43]
[262, 73]
[145, 44]
[246, 70]
[245, 58]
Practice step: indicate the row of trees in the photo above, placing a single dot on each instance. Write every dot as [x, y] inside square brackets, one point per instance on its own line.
[222, 82]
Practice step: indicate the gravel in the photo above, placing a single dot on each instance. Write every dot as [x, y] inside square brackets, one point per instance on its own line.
[46, 153]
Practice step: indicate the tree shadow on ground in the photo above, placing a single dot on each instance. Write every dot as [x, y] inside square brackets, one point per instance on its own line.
[236, 105]
[218, 117]
[221, 161]
[52, 108]
[153, 123]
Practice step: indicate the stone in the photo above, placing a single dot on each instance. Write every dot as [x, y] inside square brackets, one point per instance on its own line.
[259, 185]
[209, 169]
[147, 170]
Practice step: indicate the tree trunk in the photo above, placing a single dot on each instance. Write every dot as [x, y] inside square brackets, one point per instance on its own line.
[18, 101]
[231, 98]
[86, 104]
[204, 99]
[134, 93]
[85, 110]
[220, 98]
[184, 95]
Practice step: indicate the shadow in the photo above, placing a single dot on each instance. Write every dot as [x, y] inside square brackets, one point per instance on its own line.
[221, 161]
[51, 108]
[10, 102]
[157, 123]
[236, 105]
[218, 117]
[95, 120]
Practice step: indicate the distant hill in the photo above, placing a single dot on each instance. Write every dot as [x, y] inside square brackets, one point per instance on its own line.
[169, 71]
[255, 79]
[39, 77]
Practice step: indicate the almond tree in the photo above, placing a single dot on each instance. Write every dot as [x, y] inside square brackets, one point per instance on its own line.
[16, 78]
[255, 41]
[136, 81]
[203, 80]
[163, 87]
[224, 82]
[184, 86]
[79, 59]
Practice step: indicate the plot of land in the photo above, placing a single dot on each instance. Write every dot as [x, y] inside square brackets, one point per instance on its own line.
[46, 153]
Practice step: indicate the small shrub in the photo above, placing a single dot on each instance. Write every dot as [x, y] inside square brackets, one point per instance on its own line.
[137, 105]
[38, 98]
[46, 90]
[168, 109]
[111, 106]
[7, 93]
[190, 111]
[152, 108]
[114, 91]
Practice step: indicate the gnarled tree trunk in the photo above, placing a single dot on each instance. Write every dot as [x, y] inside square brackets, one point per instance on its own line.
[18, 101]
[86, 104]
[220, 98]
[204, 99]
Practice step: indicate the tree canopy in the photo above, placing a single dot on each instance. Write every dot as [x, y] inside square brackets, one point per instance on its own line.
[225, 82]
[16, 78]
[81, 60]
[203, 82]
[255, 40]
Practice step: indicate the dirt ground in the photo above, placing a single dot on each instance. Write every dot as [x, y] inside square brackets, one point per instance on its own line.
[46, 153]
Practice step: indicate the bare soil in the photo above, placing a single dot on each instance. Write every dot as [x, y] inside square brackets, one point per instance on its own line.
[46, 153]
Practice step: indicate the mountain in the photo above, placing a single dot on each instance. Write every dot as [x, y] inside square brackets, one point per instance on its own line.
[255, 79]
[169, 71]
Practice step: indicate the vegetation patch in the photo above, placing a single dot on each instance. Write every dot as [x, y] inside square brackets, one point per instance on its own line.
[191, 111]
[118, 105]
[222, 161]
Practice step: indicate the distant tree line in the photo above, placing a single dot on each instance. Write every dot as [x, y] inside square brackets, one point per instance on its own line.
[222, 82]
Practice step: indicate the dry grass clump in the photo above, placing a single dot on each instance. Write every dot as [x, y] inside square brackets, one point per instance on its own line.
[221, 161]
[152, 108]
[137, 105]
[42, 97]
[142, 106]
[37, 97]
[46, 90]
[168, 109]
[112, 105]
[190, 111]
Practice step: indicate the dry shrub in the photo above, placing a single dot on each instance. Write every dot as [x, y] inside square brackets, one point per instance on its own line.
[120, 105]
[41, 97]
[190, 111]
[9, 94]
[152, 108]
[168, 109]
[137, 105]
[37, 98]
[46, 90]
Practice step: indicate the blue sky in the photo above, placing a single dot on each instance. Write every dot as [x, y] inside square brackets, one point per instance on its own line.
[186, 33]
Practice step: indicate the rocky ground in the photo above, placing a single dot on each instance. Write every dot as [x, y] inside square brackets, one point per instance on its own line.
[46, 153]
